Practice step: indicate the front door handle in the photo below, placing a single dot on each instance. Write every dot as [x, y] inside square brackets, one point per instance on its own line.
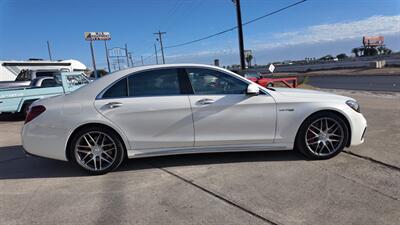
[113, 105]
[206, 101]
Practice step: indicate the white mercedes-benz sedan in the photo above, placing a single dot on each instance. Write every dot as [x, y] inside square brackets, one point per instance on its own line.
[186, 108]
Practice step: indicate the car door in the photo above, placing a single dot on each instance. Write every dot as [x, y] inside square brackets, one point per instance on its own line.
[151, 109]
[224, 114]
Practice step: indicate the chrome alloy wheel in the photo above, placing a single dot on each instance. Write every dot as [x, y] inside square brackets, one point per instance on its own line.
[324, 136]
[95, 151]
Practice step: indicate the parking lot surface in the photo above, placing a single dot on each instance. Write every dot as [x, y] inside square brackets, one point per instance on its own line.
[359, 186]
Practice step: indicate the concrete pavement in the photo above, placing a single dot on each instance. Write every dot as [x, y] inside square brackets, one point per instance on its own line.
[358, 187]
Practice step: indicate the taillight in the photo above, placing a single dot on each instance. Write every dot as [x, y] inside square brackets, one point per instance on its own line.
[34, 112]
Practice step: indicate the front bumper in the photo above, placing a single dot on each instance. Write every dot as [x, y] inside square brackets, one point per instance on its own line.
[358, 129]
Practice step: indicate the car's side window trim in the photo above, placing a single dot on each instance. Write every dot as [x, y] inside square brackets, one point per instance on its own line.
[262, 92]
[180, 73]
[184, 82]
[185, 87]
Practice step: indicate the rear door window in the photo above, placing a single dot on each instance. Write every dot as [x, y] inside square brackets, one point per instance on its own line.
[211, 82]
[161, 82]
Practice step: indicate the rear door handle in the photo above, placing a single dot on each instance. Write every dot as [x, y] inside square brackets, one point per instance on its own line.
[113, 105]
[206, 101]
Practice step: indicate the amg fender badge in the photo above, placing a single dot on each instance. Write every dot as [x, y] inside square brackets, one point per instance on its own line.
[286, 110]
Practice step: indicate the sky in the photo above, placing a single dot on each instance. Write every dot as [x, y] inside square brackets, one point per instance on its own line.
[311, 29]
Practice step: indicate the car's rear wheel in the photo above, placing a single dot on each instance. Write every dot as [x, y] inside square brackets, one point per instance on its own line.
[97, 150]
[322, 136]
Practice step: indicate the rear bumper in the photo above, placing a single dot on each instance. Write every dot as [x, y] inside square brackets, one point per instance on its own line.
[43, 141]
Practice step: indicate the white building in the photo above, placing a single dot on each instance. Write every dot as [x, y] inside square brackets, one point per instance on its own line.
[10, 69]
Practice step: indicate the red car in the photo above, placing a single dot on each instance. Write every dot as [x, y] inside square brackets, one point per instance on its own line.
[256, 77]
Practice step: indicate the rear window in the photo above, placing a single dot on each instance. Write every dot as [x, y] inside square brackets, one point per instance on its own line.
[24, 75]
[49, 83]
[161, 82]
[45, 74]
[118, 90]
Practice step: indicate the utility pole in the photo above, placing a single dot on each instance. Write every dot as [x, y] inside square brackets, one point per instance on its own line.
[48, 49]
[155, 51]
[159, 33]
[93, 59]
[240, 34]
[127, 56]
[142, 60]
[107, 56]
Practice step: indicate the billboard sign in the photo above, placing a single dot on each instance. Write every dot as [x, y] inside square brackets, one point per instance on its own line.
[97, 36]
[373, 40]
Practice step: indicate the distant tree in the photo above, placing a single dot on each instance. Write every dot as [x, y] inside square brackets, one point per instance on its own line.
[342, 56]
[356, 52]
[384, 51]
[370, 52]
[249, 57]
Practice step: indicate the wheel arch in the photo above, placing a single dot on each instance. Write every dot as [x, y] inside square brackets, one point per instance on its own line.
[338, 113]
[92, 124]
[25, 102]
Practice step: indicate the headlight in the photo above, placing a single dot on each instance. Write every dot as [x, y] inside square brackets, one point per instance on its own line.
[353, 104]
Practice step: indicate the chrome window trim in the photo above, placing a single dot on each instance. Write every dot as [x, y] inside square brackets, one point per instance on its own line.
[100, 95]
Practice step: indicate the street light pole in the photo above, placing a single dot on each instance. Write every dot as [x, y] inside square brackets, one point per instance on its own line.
[48, 49]
[130, 58]
[240, 34]
[126, 53]
[107, 56]
[93, 59]
[159, 33]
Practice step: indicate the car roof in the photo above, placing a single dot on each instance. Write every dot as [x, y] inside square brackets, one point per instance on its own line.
[159, 66]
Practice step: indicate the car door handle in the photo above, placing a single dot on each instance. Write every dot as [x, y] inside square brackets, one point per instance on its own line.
[205, 101]
[113, 105]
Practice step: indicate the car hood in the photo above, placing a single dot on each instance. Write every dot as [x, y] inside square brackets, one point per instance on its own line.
[305, 93]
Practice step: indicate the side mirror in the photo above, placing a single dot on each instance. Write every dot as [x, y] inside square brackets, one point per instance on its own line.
[253, 89]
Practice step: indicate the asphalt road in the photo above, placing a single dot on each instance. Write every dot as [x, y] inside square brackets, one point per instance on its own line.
[390, 83]
[359, 186]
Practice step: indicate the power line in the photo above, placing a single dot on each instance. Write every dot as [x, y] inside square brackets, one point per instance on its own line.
[274, 12]
[227, 30]
[235, 27]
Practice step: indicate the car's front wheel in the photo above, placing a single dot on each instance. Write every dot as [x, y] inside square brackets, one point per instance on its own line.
[322, 136]
[97, 150]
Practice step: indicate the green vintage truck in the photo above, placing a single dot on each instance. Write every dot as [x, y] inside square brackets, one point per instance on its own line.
[18, 99]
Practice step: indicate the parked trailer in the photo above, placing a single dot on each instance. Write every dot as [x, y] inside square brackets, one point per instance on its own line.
[9, 70]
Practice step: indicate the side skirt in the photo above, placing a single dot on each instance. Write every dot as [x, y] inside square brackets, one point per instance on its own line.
[208, 149]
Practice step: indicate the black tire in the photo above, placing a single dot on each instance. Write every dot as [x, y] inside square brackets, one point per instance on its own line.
[25, 108]
[303, 135]
[118, 155]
